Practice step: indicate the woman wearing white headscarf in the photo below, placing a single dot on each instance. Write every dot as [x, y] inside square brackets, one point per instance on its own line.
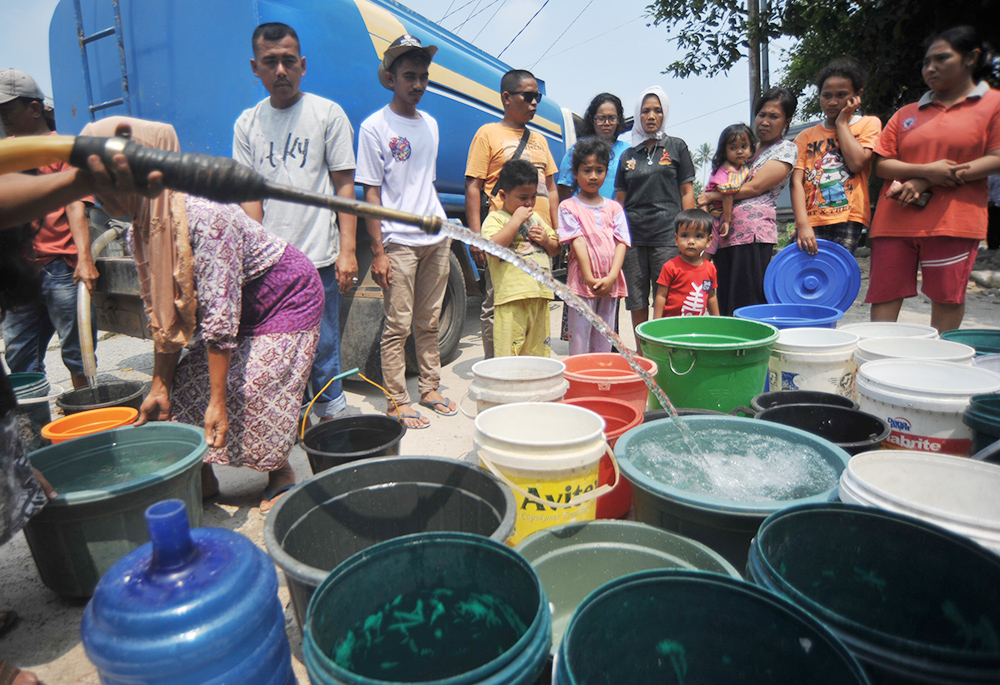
[655, 180]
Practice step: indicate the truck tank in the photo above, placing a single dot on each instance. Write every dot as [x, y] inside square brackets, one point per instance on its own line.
[187, 62]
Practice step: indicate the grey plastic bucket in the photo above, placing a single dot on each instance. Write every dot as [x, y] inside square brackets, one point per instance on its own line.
[349, 508]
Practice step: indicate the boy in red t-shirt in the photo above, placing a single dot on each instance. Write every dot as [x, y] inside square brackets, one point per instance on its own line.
[687, 282]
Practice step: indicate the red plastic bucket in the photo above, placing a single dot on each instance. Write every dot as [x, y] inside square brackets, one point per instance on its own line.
[619, 416]
[605, 374]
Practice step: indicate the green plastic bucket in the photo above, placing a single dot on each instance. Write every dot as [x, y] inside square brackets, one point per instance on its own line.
[445, 608]
[983, 417]
[750, 470]
[106, 481]
[708, 362]
[684, 627]
[574, 559]
[985, 340]
[913, 602]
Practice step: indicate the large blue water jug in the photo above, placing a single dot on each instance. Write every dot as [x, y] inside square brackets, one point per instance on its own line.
[191, 606]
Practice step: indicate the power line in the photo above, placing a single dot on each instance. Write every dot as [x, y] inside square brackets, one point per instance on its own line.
[446, 11]
[456, 11]
[471, 15]
[488, 21]
[590, 40]
[480, 12]
[705, 114]
[563, 33]
[523, 28]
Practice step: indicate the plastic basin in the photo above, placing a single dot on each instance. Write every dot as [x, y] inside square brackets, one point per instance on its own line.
[105, 483]
[346, 439]
[88, 422]
[349, 508]
[574, 559]
[707, 501]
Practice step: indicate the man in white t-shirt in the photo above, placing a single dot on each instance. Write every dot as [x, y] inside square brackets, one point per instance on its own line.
[397, 153]
[305, 141]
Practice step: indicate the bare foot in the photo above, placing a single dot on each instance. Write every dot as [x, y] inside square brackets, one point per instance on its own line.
[209, 483]
[410, 417]
[277, 481]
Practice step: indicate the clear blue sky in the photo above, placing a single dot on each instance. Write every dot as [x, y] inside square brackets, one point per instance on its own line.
[607, 46]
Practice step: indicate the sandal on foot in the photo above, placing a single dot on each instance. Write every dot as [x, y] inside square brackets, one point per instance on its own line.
[271, 496]
[415, 415]
[439, 406]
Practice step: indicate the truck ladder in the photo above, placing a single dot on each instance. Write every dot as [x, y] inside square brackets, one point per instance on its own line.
[115, 31]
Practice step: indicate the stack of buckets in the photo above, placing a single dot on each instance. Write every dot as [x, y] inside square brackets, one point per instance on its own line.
[33, 412]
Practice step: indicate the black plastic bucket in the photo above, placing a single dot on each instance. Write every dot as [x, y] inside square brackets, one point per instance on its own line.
[349, 438]
[352, 507]
[676, 627]
[114, 394]
[915, 603]
[766, 400]
[849, 429]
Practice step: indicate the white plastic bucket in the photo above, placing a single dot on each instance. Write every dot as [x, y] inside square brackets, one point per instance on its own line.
[890, 329]
[873, 349]
[957, 494]
[923, 401]
[548, 454]
[990, 362]
[813, 359]
[508, 380]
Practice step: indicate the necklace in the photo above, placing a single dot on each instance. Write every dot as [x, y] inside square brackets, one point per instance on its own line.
[649, 155]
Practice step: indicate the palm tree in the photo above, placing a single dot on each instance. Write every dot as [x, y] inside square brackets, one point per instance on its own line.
[703, 161]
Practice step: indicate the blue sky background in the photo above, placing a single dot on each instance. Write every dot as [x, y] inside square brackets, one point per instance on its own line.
[578, 47]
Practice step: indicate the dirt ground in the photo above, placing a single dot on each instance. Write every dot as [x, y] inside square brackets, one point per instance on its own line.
[47, 640]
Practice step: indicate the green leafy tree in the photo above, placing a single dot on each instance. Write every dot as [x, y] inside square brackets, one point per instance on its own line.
[886, 36]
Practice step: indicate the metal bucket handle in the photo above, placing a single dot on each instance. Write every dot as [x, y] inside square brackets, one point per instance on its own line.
[670, 359]
[582, 499]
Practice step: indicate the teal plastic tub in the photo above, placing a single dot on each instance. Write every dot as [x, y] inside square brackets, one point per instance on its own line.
[105, 482]
[985, 340]
[722, 502]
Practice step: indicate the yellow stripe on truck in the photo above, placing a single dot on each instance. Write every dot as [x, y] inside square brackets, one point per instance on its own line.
[384, 27]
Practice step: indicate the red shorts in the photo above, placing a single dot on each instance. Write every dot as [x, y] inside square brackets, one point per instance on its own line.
[945, 264]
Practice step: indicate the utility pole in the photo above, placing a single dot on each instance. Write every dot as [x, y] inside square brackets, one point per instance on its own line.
[765, 71]
[753, 11]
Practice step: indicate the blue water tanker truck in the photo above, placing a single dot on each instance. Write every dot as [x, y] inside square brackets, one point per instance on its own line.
[187, 62]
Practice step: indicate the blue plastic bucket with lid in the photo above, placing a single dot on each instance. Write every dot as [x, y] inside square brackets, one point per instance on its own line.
[783, 316]
[829, 278]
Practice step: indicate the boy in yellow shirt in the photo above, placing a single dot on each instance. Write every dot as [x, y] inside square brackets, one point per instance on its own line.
[521, 315]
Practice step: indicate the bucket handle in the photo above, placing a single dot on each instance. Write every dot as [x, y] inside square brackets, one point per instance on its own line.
[670, 359]
[582, 499]
[461, 406]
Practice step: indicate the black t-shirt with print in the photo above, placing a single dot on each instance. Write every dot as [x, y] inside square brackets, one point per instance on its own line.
[652, 181]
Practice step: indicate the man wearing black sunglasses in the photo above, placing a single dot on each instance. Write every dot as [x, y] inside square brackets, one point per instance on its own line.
[493, 145]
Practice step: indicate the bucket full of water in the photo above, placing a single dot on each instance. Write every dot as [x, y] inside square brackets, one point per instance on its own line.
[348, 438]
[677, 627]
[605, 374]
[106, 481]
[914, 603]
[717, 482]
[923, 401]
[708, 362]
[115, 394]
[813, 359]
[548, 454]
[957, 494]
[849, 429]
[191, 606]
[351, 507]
[430, 608]
[574, 559]
[619, 416]
[507, 380]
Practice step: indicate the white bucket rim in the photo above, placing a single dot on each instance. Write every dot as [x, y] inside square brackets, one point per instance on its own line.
[483, 368]
[864, 492]
[529, 394]
[895, 348]
[54, 392]
[868, 329]
[581, 413]
[874, 377]
[798, 340]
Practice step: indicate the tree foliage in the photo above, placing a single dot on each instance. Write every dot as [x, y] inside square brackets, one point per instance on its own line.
[886, 36]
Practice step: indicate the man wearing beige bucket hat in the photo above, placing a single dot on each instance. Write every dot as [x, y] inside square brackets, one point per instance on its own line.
[397, 152]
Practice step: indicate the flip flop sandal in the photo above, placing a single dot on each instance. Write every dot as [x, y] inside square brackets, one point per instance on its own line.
[439, 407]
[8, 672]
[416, 415]
[270, 496]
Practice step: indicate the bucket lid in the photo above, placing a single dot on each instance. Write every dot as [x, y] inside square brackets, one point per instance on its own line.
[831, 277]
[815, 340]
[890, 329]
[916, 348]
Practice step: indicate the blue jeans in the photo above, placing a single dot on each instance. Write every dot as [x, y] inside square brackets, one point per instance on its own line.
[27, 329]
[327, 362]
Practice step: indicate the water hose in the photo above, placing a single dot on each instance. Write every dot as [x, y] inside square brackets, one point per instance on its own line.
[84, 324]
[217, 178]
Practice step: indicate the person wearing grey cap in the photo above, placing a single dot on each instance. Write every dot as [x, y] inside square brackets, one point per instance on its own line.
[397, 153]
[59, 250]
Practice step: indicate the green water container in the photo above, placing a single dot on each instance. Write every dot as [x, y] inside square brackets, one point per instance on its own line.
[708, 362]
[106, 481]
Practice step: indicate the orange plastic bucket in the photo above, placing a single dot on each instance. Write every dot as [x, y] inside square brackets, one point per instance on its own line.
[88, 422]
[619, 416]
[605, 374]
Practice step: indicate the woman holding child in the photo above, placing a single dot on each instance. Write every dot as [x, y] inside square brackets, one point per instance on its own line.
[742, 256]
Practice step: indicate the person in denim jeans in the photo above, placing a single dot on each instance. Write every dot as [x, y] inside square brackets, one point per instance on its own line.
[60, 250]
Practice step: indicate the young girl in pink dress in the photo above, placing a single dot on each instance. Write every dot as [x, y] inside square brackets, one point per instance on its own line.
[730, 169]
[597, 232]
